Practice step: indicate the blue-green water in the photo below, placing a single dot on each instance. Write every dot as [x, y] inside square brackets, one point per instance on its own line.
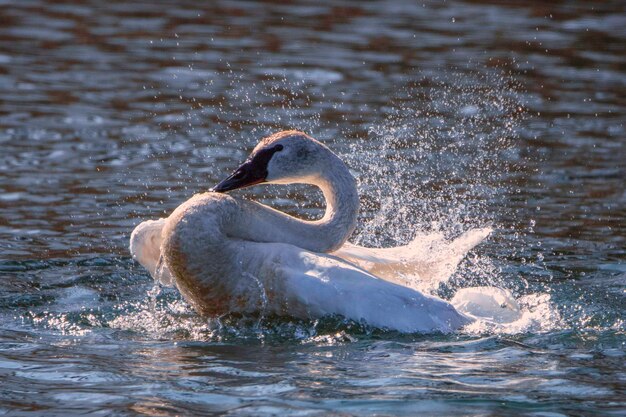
[451, 115]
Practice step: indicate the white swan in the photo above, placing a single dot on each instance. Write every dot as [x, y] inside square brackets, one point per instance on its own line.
[227, 254]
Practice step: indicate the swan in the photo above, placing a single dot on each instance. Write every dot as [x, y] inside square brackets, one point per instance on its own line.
[226, 254]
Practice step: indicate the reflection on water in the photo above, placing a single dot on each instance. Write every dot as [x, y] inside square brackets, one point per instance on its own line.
[451, 115]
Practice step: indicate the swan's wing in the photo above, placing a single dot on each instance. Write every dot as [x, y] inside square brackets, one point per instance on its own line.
[145, 247]
[310, 285]
[429, 257]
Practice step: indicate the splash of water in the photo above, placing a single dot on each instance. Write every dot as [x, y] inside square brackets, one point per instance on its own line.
[436, 166]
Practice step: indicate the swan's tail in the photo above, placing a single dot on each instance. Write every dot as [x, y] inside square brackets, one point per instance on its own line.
[490, 305]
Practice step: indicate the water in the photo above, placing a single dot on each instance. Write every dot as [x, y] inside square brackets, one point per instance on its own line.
[451, 114]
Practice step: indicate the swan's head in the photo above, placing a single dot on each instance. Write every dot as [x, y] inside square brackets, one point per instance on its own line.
[283, 158]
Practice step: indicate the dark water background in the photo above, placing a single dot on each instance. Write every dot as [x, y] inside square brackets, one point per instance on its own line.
[452, 114]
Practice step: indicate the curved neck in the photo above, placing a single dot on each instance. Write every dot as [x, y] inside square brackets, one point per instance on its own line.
[342, 205]
[260, 223]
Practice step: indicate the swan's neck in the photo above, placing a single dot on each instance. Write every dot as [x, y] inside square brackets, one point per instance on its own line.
[263, 224]
[342, 204]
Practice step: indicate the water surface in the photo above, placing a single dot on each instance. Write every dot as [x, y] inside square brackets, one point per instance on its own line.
[451, 114]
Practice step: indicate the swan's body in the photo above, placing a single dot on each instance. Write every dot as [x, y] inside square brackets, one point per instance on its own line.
[227, 254]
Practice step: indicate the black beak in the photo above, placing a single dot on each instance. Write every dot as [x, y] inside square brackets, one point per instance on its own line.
[246, 175]
[253, 171]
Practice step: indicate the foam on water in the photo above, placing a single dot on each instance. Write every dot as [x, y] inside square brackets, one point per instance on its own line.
[167, 316]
